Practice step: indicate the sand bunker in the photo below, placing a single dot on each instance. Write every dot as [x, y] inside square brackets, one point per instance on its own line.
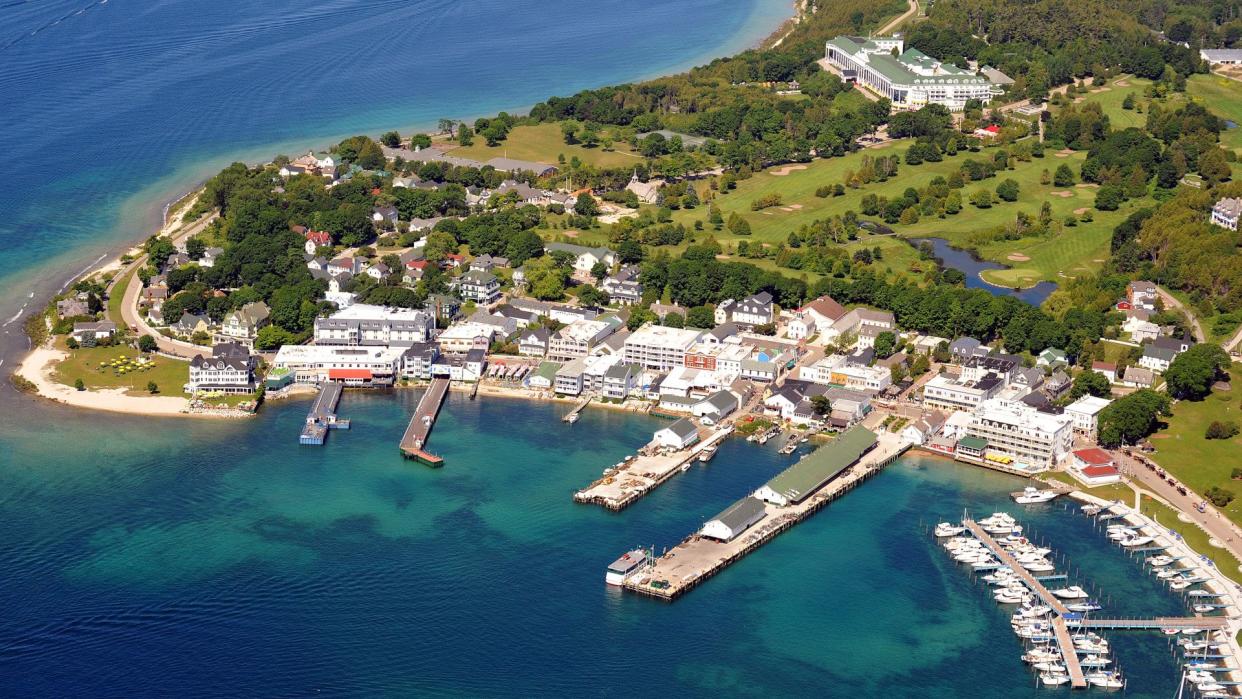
[1062, 193]
[571, 234]
[1086, 185]
[782, 171]
[1018, 257]
[1064, 153]
[1081, 211]
[795, 207]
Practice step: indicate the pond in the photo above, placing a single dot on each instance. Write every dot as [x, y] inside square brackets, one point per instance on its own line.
[970, 265]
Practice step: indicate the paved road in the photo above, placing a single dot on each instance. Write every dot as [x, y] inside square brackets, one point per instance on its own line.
[1216, 524]
[897, 21]
[134, 319]
[1170, 301]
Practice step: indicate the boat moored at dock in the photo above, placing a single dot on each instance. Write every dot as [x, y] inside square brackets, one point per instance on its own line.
[626, 566]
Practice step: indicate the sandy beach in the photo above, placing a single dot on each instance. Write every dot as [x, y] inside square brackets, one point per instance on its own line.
[36, 368]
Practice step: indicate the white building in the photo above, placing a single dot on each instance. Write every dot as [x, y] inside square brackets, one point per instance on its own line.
[747, 313]
[739, 517]
[948, 393]
[1225, 213]
[678, 435]
[465, 336]
[355, 366]
[659, 347]
[911, 79]
[1015, 429]
[365, 324]
[577, 339]
[1085, 413]
[229, 369]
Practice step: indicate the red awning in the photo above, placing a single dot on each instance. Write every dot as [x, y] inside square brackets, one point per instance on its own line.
[348, 374]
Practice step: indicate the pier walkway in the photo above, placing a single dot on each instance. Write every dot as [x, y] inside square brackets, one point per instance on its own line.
[698, 558]
[322, 415]
[1201, 623]
[414, 441]
[624, 485]
[572, 415]
[1059, 625]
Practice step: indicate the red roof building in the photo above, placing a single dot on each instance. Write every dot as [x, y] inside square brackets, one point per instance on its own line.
[1094, 467]
[319, 238]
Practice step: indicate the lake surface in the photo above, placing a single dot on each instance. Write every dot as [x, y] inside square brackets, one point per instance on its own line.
[185, 558]
[970, 265]
[112, 109]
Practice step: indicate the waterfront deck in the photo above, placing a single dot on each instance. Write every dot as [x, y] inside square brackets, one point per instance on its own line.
[696, 559]
[624, 485]
[322, 415]
[414, 441]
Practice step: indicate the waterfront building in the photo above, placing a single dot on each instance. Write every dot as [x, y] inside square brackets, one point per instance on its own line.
[92, 332]
[1225, 213]
[534, 343]
[619, 380]
[569, 377]
[722, 358]
[544, 377]
[910, 79]
[229, 369]
[594, 369]
[660, 347]
[678, 435]
[354, 366]
[1029, 436]
[418, 359]
[465, 336]
[813, 471]
[948, 393]
[736, 519]
[461, 366]
[715, 407]
[1085, 413]
[577, 339]
[924, 429]
[1094, 467]
[366, 324]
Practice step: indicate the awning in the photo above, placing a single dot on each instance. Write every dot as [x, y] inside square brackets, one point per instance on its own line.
[349, 374]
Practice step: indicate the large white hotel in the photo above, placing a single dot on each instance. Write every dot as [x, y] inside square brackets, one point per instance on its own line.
[910, 79]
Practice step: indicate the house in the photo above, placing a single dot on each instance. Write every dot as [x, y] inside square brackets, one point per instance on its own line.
[1138, 377]
[534, 343]
[1225, 213]
[229, 369]
[385, 216]
[417, 360]
[1108, 369]
[716, 407]
[678, 435]
[73, 307]
[747, 313]
[544, 377]
[486, 263]
[316, 262]
[245, 322]
[623, 287]
[646, 192]
[1142, 294]
[345, 265]
[1028, 378]
[175, 260]
[1140, 329]
[481, 287]
[91, 333]
[378, 271]
[852, 323]
[922, 430]
[1221, 56]
[963, 348]
[1056, 384]
[1094, 467]
[442, 307]
[822, 313]
[1160, 352]
[504, 325]
[584, 258]
[1052, 357]
[316, 240]
[737, 518]
[191, 323]
[1085, 413]
[620, 380]
[569, 377]
[926, 344]
[210, 255]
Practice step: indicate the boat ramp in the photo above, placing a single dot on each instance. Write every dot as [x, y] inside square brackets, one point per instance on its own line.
[414, 441]
[322, 416]
[624, 484]
[806, 487]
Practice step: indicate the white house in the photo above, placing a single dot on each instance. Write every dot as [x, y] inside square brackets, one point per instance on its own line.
[749, 312]
[678, 435]
[1225, 213]
[584, 258]
[1085, 413]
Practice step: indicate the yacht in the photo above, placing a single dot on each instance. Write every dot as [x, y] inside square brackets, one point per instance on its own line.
[946, 529]
[1091, 510]
[1137, 541]
[1169, 573]
[1052, 679]
[1071, 592]
[1053, 667]
[1094, 660]
[1083, 607]
[1041, 655]
[1204, 608]
[1200, 665]
[1159, 561]
[1041, 566]
[625, 567]
[1033, 496]
[571, 418]
[1107, 680]
[707, 454]
[1181, 584]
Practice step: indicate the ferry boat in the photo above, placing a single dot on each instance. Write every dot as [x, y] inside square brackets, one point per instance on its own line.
[625, 566]
[707, 453]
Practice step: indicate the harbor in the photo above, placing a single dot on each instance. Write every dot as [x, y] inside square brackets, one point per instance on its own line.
[322, 416]
[789, 498]
[414, 441]
[639, 474]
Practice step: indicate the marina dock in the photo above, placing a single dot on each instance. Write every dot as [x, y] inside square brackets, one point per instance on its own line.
[625, 484]
[322, 416]
[414, 441]
[698, 558]
[572, 415]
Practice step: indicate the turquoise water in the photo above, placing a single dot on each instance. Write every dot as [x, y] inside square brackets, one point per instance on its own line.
[168, 557]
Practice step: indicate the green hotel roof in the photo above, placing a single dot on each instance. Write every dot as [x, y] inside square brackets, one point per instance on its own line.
[824, 464]
[898, 69]
[977, 443]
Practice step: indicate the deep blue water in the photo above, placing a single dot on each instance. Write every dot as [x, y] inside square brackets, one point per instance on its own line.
[971, 266]
[173, 558]
[109, 109]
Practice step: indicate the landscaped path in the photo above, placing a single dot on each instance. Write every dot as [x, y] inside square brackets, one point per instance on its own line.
[1170, 301]
[899, 19]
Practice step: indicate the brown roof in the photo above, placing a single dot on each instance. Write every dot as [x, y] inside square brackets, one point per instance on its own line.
[825, 306]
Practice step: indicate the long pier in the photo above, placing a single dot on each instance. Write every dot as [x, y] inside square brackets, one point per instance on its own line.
[1059, 625]
[414, 441]
[572, 415]
[626, 484]
[697, 558]
[1200, 623]
[322, 415]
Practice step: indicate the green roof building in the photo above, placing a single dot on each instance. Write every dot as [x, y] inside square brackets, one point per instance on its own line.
[908, 77]
[796, 483]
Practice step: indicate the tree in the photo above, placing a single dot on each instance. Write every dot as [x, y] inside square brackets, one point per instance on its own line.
[1191, 374]
[589, 295]
[586, 205]
[674, 320]
[1131, 418]
[545, 278]
[982, 199]
[271, 337]
[1064, 176]
[79, 384]
[152, 387]
[639, 317]
[523, 246]
[1221, 430]
[392, 139]
[629, 252]
[1008, 190]
[1090, 383]
[738, 225]
[195, 247]
[599, 270]
[1213, 166]
[146, 343]
[885, 342]
[1109, 197]
[465, 135]
[700, 317]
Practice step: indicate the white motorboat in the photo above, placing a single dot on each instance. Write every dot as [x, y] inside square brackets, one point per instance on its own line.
[1169, 573]
[1071, 592]
[1003, 529]
[1211, 687]
[1053, 679]
[982, 563]
[1204, 608]
[1159, 561]
[1041, 655]
[1192, 646]
[1049, 667]
[1169, 631]
[571, 418]
[1034, 496]
[1091, 510]
[1011, 597]
[1137, 541]
[707, 454]
[1200, 665]
[1083, 607]
[1092, 646]
[1181, 584]
[1040, 567]
[1094, 660]
[947, 529]
[1107, 680]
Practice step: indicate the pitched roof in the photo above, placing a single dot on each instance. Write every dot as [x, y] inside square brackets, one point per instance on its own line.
[741, 513]
[826, 306]
[683, 428]
[1094, 456]
[800, 480]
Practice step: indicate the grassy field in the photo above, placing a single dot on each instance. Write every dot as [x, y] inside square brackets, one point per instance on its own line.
[543, 143]
[1077, 250]
[1195, 537]
[1224, 97]
[1111, 95]
[115, 298]
[1201, 463]
[85, 363]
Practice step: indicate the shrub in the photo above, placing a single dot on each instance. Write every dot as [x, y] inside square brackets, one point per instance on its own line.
[1237, 474]
[79, 384]
[823, 192]
[1218, 496]
[766, 201]
[146, 343]
[71, 343]
[1221, 430]
[152, 388]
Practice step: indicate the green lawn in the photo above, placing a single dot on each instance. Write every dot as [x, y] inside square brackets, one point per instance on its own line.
[85, 363]
[543, 143]
[1111, 95]
[1201, 463]
[1224, 97]
[1073, 251]
[115, 298]
[1195, 537]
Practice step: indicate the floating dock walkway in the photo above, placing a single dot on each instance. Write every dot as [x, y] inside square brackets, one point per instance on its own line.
[414, 441]
[698, 558]
[322, 416]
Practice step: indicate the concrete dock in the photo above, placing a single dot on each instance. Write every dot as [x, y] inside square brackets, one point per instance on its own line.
[322, 415]
[622, 486]
[414, 441]
[698, 558]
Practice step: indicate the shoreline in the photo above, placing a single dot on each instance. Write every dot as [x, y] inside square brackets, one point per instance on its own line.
[36, 368]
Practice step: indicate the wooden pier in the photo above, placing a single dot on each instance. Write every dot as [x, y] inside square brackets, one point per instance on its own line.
[322, 416]
[624, 485]
[1059, 626]
[572, 415]
[1200, 623]
[697, 558]
[414, 441]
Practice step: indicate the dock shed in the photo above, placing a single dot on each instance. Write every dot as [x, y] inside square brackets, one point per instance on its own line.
[799, 481]
[739, 517]
[678, 435]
